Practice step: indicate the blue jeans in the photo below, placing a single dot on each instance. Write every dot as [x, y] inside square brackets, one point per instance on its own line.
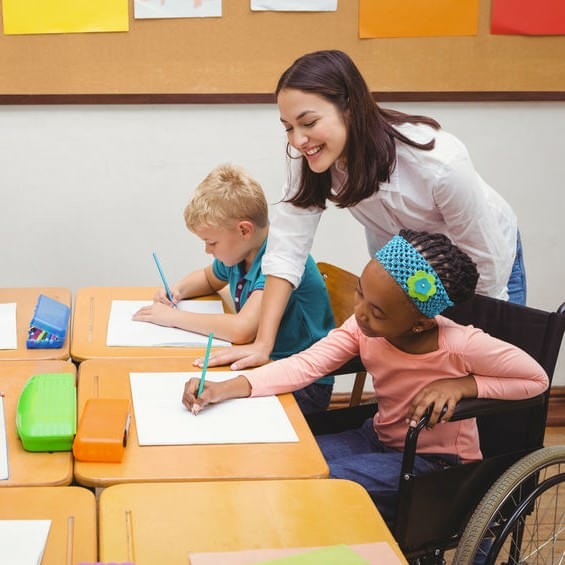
[314, 398]
[359, 456]
[517, 288]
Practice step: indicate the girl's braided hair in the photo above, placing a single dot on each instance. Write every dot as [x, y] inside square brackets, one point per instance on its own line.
[457, 272]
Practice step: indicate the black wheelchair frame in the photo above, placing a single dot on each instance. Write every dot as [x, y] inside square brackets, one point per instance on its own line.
[491, 510]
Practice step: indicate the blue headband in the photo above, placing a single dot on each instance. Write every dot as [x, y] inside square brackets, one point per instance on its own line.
[415, 276]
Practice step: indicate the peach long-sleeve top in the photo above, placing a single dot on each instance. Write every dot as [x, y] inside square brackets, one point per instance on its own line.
[501, 370]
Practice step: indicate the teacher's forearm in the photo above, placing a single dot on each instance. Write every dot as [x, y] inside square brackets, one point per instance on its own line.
[275, 299]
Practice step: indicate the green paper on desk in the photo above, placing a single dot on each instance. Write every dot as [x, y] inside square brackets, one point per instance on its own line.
[372, 553]
[332, 555]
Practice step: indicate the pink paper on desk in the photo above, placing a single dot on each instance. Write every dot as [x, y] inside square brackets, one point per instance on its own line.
[377, 553]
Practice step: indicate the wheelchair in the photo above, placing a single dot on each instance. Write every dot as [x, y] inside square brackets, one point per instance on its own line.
[508, 508]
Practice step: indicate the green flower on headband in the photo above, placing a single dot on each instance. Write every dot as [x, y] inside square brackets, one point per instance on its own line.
[421, 285]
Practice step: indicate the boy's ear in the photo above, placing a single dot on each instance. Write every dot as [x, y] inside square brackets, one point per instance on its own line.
[245, 227]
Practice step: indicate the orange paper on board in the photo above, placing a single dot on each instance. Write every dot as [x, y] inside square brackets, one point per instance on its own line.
[416, 18]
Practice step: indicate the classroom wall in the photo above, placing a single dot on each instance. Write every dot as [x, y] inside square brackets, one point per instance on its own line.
[88, 192]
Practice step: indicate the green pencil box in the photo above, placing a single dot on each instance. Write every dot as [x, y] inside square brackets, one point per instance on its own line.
[46, 413]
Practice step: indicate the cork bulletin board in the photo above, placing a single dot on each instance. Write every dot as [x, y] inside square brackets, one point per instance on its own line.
[239, 57]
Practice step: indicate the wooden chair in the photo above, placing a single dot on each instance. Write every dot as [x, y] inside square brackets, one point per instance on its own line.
[341, 285]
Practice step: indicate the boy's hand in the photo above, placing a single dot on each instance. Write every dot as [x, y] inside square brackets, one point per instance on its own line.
[161, 295]
[157, 313]
[439, 394]
[238, 357]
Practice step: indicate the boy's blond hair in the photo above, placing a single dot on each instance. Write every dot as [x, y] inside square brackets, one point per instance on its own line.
[227, 195]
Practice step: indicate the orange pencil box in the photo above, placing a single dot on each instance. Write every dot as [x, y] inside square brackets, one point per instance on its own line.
[102, 430]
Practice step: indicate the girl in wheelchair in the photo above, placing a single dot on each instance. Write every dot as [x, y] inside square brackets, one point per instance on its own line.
[417, 358]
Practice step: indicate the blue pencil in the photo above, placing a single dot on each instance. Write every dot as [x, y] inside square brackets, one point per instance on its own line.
[205, 365]
[167, 289]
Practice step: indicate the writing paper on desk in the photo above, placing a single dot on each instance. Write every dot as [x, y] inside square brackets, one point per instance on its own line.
[22, 542]
[8, 327]
[4, 470]
[125, 332]
[376, 553]
[162, 419]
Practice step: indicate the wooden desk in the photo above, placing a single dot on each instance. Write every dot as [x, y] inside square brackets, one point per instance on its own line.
[90, 325]
[26, 299]
[29, 468]
[72, 511]
[110, 378]
[163, 523]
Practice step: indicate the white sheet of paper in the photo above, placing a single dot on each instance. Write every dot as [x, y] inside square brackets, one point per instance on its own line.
[8, 328]
[22, 542]
[295, 5]
[177, 8]
[125, 332]
[162, 419]
[4, 471]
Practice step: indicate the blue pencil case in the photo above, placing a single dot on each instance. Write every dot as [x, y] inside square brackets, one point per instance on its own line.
[48, 327]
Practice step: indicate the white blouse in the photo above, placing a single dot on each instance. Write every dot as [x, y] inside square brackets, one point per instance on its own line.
[435, 191]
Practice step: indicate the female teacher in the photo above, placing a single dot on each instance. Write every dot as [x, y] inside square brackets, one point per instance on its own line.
[390, 170]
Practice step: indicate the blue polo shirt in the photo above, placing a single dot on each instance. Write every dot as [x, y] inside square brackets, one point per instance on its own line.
[308, 315]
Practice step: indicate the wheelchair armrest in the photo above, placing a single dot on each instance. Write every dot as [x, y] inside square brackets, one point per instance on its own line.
[341, 419]
[465, 408]
[473, 407]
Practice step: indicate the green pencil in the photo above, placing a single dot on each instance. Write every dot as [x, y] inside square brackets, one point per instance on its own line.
[205, 365]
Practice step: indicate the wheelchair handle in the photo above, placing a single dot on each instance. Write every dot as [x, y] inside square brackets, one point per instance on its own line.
[412, 439]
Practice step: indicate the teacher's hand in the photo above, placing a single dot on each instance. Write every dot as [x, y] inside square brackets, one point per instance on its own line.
[238, 357]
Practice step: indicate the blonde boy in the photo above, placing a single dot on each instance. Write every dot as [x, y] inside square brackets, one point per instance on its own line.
[229, 213]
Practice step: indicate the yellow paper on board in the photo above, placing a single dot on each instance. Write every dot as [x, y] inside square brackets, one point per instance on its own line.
[417, 18]
[64, 16]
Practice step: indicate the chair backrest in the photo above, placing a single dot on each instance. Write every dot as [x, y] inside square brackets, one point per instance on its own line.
[537, 332]
[341, 285]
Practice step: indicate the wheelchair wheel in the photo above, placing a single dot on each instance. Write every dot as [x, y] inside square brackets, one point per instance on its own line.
[521, 519]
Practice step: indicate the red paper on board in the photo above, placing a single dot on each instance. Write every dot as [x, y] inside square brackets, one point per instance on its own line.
[528, 17]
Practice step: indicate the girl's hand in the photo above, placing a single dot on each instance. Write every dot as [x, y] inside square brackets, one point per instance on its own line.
[443, 393]
[157, 313]
[213, 392]
[193, 403]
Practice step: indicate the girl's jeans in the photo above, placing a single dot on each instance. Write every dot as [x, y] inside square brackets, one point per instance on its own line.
[359, 456]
